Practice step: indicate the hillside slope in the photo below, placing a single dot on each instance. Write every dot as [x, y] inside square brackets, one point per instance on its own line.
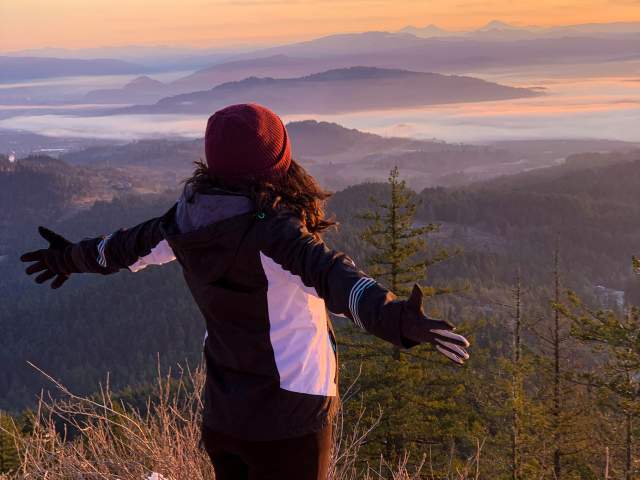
[41, 189]
[336, 155]
[87, 328]
[340, 90]
[591, 211]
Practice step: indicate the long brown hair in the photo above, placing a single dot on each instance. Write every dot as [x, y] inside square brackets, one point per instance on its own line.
[295, 190]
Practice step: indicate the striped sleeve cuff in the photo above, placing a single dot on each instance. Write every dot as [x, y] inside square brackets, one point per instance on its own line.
[102, 245]
[354, 298]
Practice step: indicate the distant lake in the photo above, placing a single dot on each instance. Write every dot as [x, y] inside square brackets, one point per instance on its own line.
[590, 107]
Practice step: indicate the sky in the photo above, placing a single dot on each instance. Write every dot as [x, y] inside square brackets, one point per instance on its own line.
[227, 23]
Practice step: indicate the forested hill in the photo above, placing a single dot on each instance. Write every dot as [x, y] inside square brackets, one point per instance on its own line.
[39, 186]
[95, 324]
[338, 90]
[597, 176]
[591, 212]
[119, 323]
[41, 189]
[606, 197]
[38, 189]
[339, 157]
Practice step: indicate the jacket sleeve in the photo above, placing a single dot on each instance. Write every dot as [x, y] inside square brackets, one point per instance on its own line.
[345, 289]
[133, 248]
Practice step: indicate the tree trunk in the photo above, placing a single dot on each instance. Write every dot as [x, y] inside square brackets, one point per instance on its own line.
[515, 391]
[628, 464]
[395, 352]
[557, 467]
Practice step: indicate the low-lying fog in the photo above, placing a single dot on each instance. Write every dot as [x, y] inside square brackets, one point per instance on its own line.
[579, 107]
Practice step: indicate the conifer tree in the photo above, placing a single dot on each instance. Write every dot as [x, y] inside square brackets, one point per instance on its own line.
[399, 247]
[615, 338]
[570, 425]
[415, 388]
[558, 339]
[516, 386]
[509, 374]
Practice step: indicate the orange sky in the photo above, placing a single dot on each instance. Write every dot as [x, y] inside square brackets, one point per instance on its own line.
[209, 23]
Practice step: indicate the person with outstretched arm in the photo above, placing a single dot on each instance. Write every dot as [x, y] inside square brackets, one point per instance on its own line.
[247, 233]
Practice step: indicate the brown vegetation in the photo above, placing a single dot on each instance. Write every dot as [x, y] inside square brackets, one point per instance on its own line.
[99, 437]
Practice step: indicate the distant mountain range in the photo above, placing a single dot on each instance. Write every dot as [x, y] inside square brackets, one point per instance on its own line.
[430, 49]
[141, 90]
[192, 56]
[482, 49]
[27, 68]
[420, 49]
[154, 58]
[275, 66]
[340, 90]
[500, 30]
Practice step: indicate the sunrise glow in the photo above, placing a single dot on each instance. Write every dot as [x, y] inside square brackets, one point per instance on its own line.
[224, 23]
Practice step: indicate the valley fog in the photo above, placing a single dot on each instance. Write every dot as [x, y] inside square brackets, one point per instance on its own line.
[570, 107]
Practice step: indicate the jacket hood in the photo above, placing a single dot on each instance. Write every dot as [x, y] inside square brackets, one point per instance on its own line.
[198, 210]
[205, 230]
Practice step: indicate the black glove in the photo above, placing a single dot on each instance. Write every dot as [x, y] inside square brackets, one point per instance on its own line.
[418, 328]
[54, 261]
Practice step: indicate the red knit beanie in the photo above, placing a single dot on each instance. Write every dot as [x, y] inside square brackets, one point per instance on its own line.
[246, 140]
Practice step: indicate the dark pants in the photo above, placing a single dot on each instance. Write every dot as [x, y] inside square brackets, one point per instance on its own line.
[299, 458]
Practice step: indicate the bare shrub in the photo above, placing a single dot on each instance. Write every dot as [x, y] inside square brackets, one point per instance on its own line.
[91, 438]
[112, 440]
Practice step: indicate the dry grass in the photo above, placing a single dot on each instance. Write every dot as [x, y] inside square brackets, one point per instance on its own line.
[106, 439]
[112, 440]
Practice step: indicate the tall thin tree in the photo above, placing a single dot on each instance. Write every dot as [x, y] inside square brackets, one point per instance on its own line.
[399, 258]
[399, 247]
[617, 337]
[516, 385]
[557, 394]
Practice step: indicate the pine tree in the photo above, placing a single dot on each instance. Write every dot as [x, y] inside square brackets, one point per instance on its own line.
[557, 340]
[570, 423]
[414, 388]
[399, 246]
[506, 378]
[516, 386]
[615, 338]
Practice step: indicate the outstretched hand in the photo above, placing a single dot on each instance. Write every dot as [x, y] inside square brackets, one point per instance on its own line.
[49, 262]
[416, 326]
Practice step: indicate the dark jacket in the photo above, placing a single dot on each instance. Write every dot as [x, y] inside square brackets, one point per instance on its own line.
[263, 284]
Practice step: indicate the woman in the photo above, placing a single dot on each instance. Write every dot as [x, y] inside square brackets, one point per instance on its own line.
[246, 232]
